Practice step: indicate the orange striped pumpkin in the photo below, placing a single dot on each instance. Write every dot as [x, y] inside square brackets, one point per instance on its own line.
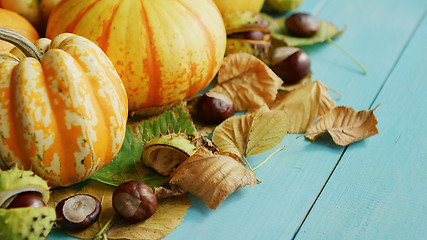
[16, 22]
[35, 11]
[63, 116]
[164, 50]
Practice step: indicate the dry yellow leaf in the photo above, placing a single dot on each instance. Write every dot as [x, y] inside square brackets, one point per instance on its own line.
[212, 177]
[252, 133]
[169, 215]
[345, 125]
[247, 81]
[304, 105]
[60, 193]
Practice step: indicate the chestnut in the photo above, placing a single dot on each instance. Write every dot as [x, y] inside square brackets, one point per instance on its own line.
[26, 199]
[134, 201]
[78, 212]
[248, 35]
[302, 25]
[290, 64]
[213, 108]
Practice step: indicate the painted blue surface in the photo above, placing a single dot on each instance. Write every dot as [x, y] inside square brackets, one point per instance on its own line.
[374, 189]
[379, 191]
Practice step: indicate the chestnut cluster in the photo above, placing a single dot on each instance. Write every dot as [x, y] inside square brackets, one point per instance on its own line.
[132, 200]
[293, 64]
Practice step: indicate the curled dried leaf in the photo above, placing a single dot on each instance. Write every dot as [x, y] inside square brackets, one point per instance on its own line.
[345, 125]
[163, 192]
[252, 133]
[212, 177]
[247, 81]
[304, 105]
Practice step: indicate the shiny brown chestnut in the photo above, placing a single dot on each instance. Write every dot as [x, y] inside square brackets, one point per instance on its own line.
[213, 108]
[302, 25]
[290, 64]
[26, 199]
[134, 201]
[248, 35]
[78, 212]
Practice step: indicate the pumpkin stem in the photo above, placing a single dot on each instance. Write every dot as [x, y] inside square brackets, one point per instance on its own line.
[27, 47]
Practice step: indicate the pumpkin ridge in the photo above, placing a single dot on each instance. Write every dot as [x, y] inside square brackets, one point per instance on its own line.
[67, 169]
[211, 50]
[102, 99]
[106, 118]
[15, 147]
[58, 143]
[153, 71]
[7, 139]
[102, 41]
[71, 27]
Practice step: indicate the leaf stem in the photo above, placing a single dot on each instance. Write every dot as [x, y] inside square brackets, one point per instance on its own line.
[102, 230]
[336, 92]
[271, 155]
[348, 54]
[250, 167]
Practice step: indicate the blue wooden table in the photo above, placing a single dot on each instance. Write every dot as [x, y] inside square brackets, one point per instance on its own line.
[372, 189]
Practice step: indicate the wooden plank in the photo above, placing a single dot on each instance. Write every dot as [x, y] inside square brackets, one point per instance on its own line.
[375, 32]
[379, 189]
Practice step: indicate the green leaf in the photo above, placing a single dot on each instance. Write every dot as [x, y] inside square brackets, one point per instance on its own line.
[127, 164]
[279, 32]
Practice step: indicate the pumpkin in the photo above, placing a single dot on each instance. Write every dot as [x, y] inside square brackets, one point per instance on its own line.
[231, 6]
[14, 21]
[164, 50]
[35, 11]
[63, 113]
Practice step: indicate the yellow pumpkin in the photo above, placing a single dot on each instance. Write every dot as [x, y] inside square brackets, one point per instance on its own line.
[230, 6]
[64, 114]
[163, 50]
[35, 11]
[14, 21]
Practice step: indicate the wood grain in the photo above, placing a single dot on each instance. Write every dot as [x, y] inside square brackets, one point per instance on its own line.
[379, 189]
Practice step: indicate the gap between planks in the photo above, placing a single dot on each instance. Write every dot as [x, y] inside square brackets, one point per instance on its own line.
[370, 106]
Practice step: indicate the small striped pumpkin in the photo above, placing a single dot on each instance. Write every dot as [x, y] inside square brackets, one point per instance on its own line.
[64, 115]
[164, 50]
